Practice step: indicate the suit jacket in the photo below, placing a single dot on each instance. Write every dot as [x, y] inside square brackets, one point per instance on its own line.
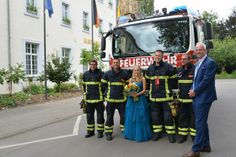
[204, 82]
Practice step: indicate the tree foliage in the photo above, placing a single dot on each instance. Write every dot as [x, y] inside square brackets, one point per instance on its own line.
[86, 56]
[224, 53]
[2, 73]
[146, 7]
[14, 74]
[224, 34]
[58, 70]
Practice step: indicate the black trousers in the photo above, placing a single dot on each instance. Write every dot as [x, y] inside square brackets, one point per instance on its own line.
[186, 119]
[110, 109]
[161, 115]
[90, 111]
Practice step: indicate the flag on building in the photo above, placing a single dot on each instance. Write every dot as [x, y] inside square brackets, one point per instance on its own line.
[96, 20]
[48, 6]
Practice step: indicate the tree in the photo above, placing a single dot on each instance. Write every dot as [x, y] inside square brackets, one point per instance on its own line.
[58, 70]
[146, 7]
[230, 24]
[224, 53]
[14, 75]
[2, 73]
[86, 56]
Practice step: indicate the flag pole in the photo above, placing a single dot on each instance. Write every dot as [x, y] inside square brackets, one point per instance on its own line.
[92, 19]
[45, 49]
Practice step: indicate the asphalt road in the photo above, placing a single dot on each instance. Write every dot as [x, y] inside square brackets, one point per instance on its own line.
[65, 137]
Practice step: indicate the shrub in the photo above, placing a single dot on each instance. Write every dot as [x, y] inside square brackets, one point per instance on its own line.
[66, 87]
[7, 101]
[21, 97]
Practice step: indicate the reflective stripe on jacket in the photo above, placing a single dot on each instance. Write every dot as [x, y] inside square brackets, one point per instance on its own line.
[92, 86]
[185, 80]
[114, 83]
[161, 81]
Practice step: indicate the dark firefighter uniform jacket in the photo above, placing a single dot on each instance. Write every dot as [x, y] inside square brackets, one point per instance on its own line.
[185, 80]
[113, 83]
[161, 80]
[92, 86]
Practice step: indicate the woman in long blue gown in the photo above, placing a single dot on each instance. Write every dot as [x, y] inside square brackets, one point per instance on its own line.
[137, 116]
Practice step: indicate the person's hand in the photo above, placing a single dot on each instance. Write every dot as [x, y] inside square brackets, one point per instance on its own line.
[134, 94]
[191, 93]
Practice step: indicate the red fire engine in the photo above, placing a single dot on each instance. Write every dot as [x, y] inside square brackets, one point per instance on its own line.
[175, 33]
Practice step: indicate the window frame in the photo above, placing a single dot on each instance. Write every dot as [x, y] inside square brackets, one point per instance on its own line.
[65, 14]
[34, 58]
[32, 9]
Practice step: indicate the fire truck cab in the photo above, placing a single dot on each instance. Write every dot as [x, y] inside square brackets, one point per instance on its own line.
[175, 33]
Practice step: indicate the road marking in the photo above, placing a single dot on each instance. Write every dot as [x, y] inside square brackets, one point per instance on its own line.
[37, 141]
[75, 133]
[76, 126]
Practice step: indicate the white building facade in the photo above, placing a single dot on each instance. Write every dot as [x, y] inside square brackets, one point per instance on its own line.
[67, 32]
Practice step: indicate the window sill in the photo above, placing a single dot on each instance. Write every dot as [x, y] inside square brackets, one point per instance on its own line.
[66, 25]
[32, 15]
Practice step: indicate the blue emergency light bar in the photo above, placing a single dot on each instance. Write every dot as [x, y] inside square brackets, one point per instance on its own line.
[183, 9]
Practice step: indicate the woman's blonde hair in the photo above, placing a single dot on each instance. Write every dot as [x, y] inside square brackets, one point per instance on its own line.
[137, 78]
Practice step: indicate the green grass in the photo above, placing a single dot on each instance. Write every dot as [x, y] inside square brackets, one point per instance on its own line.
[224, 75]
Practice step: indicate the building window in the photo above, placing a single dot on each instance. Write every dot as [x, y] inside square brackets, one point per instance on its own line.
[110, 4]
[101, 1]
[85, 21]
[66, 53]
[100, 31]
[65, 14]
[31, 50]
[31, 7]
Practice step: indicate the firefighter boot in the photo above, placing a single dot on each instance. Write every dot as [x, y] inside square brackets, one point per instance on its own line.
[89, 134]
[108, 137]
[171, 138]
[100, 134]
[181, 139]
[156, 136]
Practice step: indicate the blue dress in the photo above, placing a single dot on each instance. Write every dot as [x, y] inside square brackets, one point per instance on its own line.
[137, 118]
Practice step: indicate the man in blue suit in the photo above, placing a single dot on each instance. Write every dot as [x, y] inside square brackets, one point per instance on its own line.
[204, 93]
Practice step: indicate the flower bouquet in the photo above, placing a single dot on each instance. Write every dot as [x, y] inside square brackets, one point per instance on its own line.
[131, 88]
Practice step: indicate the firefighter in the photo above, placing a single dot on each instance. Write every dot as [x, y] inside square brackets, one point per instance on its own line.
[94, 99]
[160, 78]
[113, 82]
[186, 116]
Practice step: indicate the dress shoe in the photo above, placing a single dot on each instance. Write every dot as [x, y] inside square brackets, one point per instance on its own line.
[156, 137]
[89, 135]
[109, 137]
[192, 154]
[100, 135]
[206, 150]
[182, 139]
[171, 138]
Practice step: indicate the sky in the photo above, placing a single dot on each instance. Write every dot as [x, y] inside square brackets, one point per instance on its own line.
[222, 7]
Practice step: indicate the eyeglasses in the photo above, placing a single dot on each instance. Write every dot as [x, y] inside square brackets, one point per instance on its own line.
[199, 49]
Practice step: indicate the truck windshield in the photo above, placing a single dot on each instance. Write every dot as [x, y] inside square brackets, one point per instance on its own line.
[144, 39]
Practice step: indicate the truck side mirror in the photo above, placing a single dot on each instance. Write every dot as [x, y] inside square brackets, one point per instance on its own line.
[102, 54]
[209, 44]
[208, 31]
[103, 43]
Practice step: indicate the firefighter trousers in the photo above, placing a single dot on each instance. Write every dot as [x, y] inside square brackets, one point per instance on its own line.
[90, 110]
[186, 120]
[161, 115]
[110, 109]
